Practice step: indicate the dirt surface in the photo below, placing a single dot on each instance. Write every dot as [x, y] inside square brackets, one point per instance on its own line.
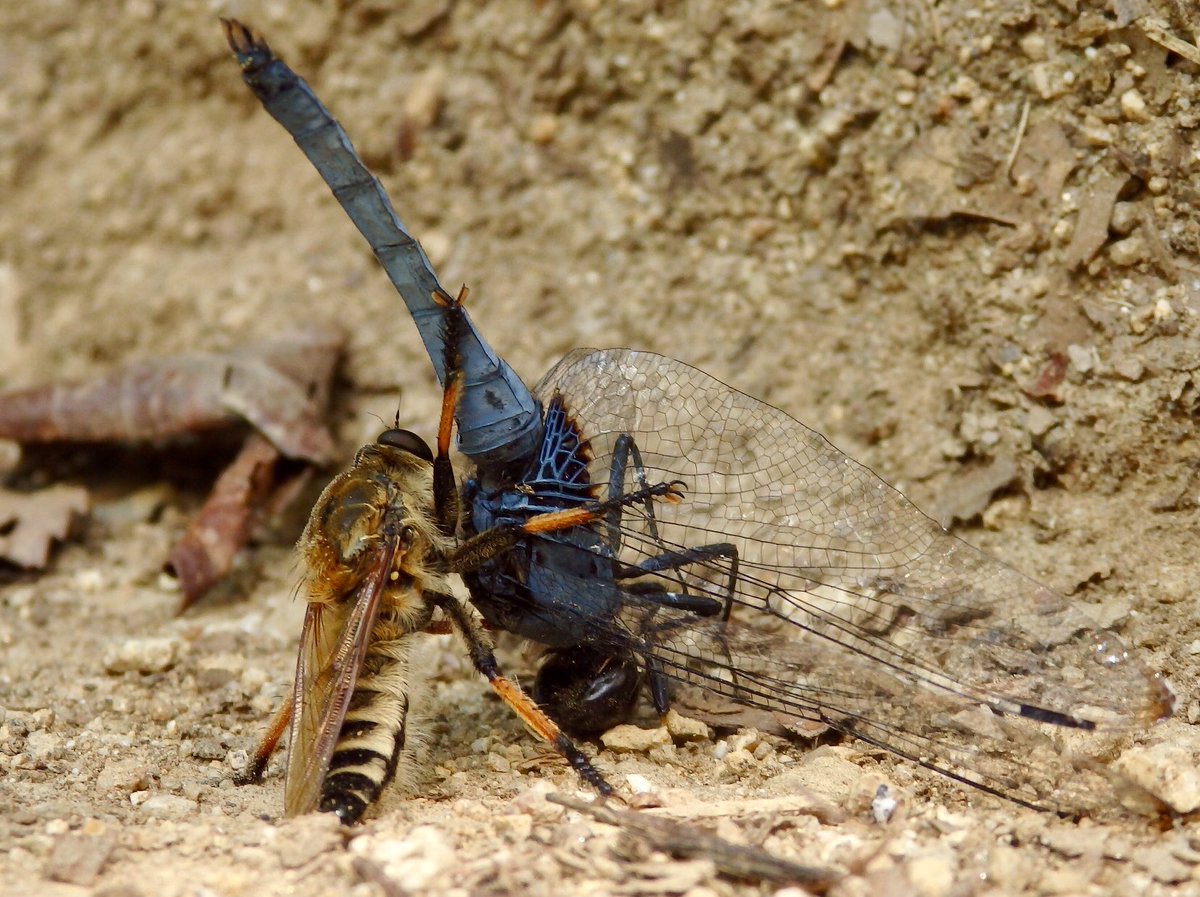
[959, 238]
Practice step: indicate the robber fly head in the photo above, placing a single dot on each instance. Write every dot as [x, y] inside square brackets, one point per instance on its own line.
[386, 496]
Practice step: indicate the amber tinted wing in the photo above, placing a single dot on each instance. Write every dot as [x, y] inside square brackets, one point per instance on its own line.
[851, 606]
[332, 647]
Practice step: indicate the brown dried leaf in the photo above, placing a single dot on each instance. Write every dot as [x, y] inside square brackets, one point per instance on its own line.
[204, 554]
[944, 175]
[1046, 160]
[278, 387]
[973, 491]
[1095, 211]
[30, 523]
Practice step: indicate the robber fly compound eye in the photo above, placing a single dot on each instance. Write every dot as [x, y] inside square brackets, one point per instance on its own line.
[406, 441]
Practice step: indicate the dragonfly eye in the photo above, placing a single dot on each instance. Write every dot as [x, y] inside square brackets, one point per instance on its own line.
[406, 441]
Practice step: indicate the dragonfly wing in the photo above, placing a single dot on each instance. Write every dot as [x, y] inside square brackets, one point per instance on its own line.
[868, 615]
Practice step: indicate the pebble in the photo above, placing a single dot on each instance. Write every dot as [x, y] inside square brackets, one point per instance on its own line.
[639, 784]
[1129, 368]
[627, 739]
[823, 772]
[1127, 252]
[1168, 769]
[932, 874]
[543, 129]
[1133, 107]
[683, 728]
[1072, 841]
[420, 859]
[142, 655]
[498, 762]
[883, 805]
[168, 806]
[208, 749]
[125, 776]
[1040, 420]
[1083, 358]
[517, 825]
[1124, 218]
[42, 746]
[307, 837]
[78, 858]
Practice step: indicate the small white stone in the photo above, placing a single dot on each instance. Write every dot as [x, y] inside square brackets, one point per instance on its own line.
[883, 805]
[1133, 107]
[1168, 769]
[123, 775]
[42, 745]
[639, 784]
[1127, 252]
[1083, 358]
[518, 825]
[932, 873]
[420, 859]
[684, 728]
[142, 655]
[634, 739]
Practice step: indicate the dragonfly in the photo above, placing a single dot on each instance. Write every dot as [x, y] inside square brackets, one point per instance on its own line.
[784, 576]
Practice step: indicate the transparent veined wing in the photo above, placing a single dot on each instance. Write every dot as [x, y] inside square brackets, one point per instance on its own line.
[849, 605]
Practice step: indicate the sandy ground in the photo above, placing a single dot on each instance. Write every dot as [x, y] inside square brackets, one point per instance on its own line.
[958, 238]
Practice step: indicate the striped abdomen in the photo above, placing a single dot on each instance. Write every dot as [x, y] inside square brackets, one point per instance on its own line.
[373, 733]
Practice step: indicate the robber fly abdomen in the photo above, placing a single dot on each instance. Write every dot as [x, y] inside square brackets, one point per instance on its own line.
[373, 735]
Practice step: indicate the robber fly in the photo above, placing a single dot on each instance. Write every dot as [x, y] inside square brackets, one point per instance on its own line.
[378, 554]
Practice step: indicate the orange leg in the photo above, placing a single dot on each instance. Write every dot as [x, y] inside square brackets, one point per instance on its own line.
[484, 660]
[262, 754]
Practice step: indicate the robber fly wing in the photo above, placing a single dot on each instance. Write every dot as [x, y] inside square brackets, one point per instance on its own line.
[332, 647]
[883, 624]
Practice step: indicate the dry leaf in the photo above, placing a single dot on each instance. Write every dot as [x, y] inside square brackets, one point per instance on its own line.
[30, 523]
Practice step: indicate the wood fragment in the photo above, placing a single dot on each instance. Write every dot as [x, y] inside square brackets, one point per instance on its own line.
[1016, 147]
[690, 842]
[1157, 32]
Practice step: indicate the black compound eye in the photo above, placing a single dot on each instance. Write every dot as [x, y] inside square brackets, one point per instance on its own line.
[406, 441]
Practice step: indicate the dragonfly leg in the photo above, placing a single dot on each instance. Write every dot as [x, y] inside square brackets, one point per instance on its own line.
[625, 455]
[624, 451]
[484, 660]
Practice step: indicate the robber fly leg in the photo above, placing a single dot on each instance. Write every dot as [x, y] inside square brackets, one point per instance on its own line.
[484, 660]
[253, 772]
[482, 547]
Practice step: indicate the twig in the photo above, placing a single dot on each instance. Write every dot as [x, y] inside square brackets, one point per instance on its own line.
[1157, 32]
[1016, 147]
